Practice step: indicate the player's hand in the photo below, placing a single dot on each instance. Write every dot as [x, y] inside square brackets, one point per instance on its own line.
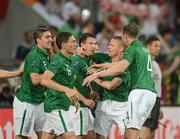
[72, 94]
[92, 70]
[80, 51]
[89, 79]
[94, 95]
[95, 66]
[89, 102]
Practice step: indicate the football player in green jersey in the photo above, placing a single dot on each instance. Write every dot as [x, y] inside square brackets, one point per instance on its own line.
[28, 103]
[59, 78]
[83, 120]
[112, 107]
[142, 94]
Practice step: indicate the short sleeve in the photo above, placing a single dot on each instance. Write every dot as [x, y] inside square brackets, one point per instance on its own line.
[130, 54]
[33, 64]
[54, 65]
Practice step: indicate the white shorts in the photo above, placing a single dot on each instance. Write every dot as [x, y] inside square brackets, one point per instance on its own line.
[28, 117]
[140, 104]
[58, 122]
[108, 113]
[82, 120]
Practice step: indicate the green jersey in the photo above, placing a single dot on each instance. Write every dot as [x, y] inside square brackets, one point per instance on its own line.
[60, 65]
[36, 62]
[80, 66]
[100, 58]
[140, 66]
[121, 92]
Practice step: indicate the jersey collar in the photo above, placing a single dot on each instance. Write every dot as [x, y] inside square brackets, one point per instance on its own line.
[45, 53]
[61, 55]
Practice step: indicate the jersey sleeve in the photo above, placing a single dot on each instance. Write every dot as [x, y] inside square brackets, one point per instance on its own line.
[124, 76]
[55, 65]
[33, 64]
[130, 54]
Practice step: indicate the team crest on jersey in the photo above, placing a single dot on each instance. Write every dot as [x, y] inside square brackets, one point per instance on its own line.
[75, 64]
[33, 63]
[55, 62]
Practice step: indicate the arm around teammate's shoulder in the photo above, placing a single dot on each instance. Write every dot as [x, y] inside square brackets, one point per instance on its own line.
[110, 85]
[120, 67]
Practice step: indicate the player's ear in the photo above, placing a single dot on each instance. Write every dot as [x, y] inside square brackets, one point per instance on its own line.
[38, 40]
[121, 49]
[83, 46]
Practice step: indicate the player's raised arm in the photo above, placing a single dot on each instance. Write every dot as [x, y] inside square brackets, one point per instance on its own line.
[7, 74]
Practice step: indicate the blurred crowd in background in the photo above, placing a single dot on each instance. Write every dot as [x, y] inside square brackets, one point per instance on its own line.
[105, 18]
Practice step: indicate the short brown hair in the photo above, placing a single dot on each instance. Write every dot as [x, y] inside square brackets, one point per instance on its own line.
[132, 30]
[38, 33]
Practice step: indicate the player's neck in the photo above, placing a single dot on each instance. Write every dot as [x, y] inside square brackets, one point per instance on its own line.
[131, 40]
[40, 47]
[153, 57]
[117, 58]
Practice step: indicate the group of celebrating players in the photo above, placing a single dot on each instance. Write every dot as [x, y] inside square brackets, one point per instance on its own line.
[57, 94]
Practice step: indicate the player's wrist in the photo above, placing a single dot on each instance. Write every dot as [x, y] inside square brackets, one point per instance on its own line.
[66, 90]
[83, 100]
[98, 74]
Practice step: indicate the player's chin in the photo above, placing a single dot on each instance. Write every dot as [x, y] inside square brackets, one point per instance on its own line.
[49, 47]
[109, 53]
[73, 51]
[92, 52]
[156, 54]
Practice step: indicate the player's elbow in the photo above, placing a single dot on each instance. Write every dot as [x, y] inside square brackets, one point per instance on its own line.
[35, 82]
[110, 87]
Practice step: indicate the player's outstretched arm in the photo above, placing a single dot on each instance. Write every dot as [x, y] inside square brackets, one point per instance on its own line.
[8, 74]
[110, 85]
[103, 65]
